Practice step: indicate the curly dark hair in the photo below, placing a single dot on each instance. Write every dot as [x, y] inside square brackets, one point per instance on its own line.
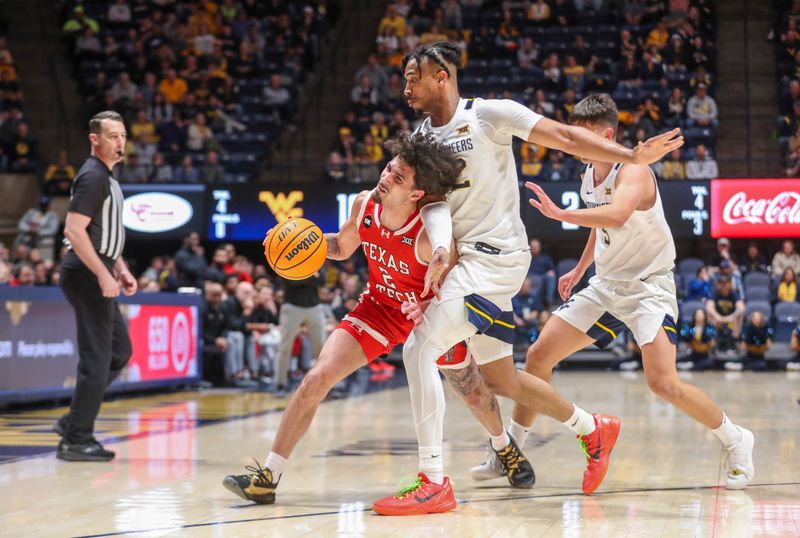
[436, 168]
[443, 53]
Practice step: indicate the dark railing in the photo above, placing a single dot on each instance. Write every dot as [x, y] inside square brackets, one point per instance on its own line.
[326, 75]
[58, 107]
[748, 125]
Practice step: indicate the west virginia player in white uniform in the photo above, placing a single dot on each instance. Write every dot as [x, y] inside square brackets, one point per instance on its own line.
[632, 248]
[475, 300]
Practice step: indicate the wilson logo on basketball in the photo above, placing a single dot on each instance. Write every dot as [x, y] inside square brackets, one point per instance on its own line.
[755, 207]
[309, 241]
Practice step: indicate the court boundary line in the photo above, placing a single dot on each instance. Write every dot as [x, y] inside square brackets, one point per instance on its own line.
[472, 501]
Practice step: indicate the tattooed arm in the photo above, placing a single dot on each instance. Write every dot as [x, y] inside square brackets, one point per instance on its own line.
[343, 243]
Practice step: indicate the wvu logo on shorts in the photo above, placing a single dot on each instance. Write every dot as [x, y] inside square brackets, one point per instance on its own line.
[282, 206]
[407, 241]
[566, 304]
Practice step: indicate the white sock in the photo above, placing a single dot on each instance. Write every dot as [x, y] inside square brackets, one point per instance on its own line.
[499, 442]
[275, 463]
[430, 463]
[580, 422]
[518, 432]
[727, 432]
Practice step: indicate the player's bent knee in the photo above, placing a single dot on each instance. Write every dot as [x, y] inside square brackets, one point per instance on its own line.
[316, 385]
[506, 387]
[537, 359]
[477, 399]
[665, 388]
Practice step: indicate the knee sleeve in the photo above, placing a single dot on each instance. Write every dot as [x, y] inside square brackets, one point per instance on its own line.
[425, 387]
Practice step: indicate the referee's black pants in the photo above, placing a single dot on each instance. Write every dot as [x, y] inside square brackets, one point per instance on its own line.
[104, 346]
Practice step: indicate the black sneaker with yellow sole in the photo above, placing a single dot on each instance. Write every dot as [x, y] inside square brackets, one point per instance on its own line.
[518, 469]
[257, 486]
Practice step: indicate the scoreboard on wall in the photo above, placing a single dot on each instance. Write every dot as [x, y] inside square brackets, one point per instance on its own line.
[694, 209]
[687, 206]
[246, 212]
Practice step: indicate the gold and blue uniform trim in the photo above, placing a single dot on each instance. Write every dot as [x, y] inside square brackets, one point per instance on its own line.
[605, 330]
[489, 318]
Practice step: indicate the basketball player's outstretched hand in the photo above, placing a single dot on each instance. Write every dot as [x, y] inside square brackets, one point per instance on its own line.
[414, 311]
[544, 203]
[652, 149]
[436, 268]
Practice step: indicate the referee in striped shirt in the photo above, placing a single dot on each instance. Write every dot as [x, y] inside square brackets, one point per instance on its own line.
[93, 274]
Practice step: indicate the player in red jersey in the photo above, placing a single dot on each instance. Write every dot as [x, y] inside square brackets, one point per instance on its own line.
[386, 223]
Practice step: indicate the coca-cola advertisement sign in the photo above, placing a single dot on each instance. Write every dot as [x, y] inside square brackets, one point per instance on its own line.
[755, 208]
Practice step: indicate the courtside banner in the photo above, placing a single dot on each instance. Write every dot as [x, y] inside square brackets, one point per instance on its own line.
[165, 342]
[755, 208]
[39, 347]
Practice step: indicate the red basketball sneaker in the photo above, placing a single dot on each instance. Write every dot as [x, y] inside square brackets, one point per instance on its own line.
[418, 498]
[597, 448]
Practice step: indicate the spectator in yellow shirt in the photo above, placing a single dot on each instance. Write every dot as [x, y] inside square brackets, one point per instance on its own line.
[658, 36]
[393, 20]
[674, 167]
[59, 175]
[143, 126]
[373, 149]
[173, 87]
[787, 289]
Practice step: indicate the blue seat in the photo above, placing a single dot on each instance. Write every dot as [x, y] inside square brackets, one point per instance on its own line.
[786, 318]
[756, 279]
[700, 135]
[758, 293]
[758, 306]
[689, 266]
[687, 309]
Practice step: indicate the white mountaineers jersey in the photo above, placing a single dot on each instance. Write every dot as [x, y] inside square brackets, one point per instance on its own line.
[642, 247]
[485, 203]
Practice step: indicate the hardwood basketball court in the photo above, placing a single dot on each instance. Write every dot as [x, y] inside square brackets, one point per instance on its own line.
[174, 450]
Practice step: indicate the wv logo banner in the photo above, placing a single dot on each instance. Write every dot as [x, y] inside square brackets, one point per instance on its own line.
[282, 206]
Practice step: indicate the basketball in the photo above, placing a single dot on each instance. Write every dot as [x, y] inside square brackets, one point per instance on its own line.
[296, 249]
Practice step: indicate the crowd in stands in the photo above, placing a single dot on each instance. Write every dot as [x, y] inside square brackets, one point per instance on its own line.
[656, 58]
[19, 150]
[243, 300]
[731, 307]
[205, 87]
[786, 36]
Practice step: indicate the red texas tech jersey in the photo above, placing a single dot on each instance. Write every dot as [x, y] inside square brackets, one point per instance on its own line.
[396, 273]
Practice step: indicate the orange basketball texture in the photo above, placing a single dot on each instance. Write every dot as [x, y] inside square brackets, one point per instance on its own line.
[296, 249]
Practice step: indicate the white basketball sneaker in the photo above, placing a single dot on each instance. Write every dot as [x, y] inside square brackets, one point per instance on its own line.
[739, 461]
[489, 469]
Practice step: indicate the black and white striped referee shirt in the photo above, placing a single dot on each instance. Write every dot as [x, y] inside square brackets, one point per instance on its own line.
[96, 194]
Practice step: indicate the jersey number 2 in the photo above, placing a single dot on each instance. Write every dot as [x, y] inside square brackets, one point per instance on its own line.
[387, 278]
